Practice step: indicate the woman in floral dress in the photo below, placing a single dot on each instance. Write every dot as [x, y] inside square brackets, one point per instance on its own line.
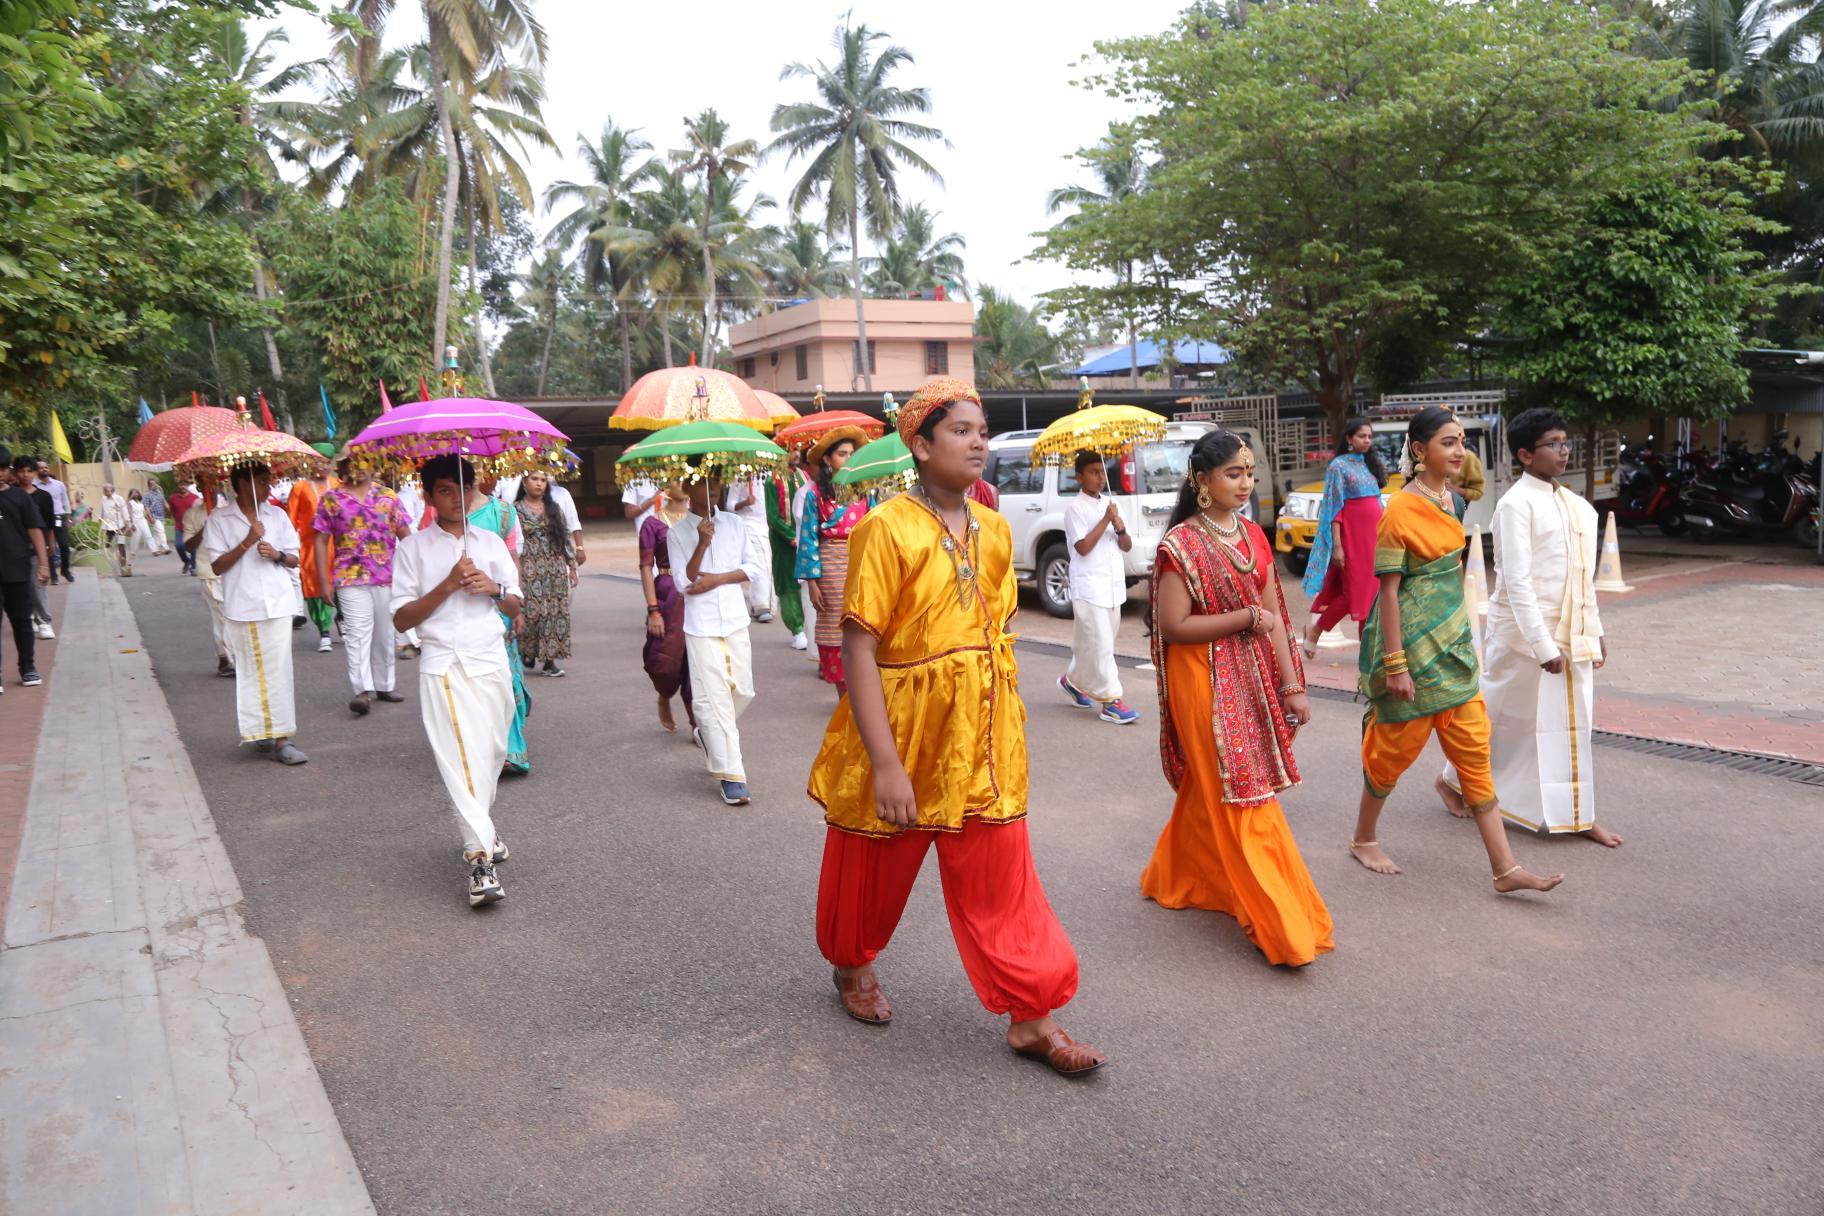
[547, 566]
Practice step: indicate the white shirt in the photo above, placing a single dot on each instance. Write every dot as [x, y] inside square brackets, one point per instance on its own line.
[411, 502]
[754, 512]
[1545, 554]
[114, 513]
[723, 611]
[638, 492]
[799, 497]
[566, 504]
[465, 626]
[60, 496]
[136, 512]
[1098, 577]
[254, 588]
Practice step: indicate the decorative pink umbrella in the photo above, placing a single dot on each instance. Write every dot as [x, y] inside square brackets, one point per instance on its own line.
[158, 443]
[498, 437]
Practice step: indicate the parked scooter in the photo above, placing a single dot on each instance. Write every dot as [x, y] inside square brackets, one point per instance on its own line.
[1752, 494]
[1647, 492]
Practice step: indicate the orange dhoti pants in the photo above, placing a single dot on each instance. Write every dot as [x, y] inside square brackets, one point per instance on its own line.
[1390, 748]
[1015, 951]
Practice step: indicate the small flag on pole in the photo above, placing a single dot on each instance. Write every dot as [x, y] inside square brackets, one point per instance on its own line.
[60, 443]
[329, 415]
[145, 412]
[194, 399]
[386, 402]
[424, 390]
[266, 414]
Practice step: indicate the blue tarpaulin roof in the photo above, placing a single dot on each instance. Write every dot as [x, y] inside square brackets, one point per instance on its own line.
[1187, 352]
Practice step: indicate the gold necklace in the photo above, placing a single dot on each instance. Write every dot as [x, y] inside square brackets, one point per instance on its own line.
[1232, 532]
[965, 558]
[1243, 561]
[1442, 498]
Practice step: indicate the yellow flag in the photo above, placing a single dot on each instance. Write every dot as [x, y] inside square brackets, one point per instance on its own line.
[60, 443]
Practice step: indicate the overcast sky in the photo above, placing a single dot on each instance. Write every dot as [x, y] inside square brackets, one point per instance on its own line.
[999, 75]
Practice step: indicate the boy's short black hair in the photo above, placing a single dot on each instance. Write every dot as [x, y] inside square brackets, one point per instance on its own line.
[245, 472]
[1527, 428]
[445, 468]
[1084, 460]
[23, 461]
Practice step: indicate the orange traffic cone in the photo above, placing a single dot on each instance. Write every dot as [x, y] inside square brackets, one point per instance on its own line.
[1608, 562]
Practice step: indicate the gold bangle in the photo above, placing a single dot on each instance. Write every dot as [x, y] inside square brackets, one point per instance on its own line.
[1289, 689]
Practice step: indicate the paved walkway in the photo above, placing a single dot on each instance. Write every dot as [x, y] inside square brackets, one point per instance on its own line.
[153, 1065]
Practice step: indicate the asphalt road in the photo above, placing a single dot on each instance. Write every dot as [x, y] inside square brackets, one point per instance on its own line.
[645, 1025]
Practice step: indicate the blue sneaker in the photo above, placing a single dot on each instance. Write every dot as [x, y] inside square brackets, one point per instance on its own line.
[1075, 694]
[734, 793]
[1118, 713]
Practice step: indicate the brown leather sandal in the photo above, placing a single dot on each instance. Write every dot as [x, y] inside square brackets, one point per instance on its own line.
[862, 999]
[1063, 1055]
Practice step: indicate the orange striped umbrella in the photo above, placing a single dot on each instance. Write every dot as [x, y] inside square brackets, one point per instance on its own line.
[672, 396]
[812, 427]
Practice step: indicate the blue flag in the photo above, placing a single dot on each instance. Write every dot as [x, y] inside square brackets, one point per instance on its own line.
[329, 415]
[145, 412]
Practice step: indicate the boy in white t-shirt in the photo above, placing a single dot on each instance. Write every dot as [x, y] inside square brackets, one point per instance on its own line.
[1097, 538]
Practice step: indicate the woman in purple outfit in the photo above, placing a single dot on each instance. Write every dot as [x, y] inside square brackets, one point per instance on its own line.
[663, 656]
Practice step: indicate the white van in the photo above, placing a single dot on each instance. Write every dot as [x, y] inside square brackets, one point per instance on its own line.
[1144, 484]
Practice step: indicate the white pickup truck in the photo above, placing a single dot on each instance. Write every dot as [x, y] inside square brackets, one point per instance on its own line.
[1144, 484]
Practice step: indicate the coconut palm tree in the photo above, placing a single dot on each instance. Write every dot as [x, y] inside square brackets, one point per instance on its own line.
[799, 264]
[854, 137]
[709, 153]
[663, 246]
[469, 42]
[544, 284]
[915, 259]
[1757, 65]
[604, 199]
[1120, 173]
[1013, 348]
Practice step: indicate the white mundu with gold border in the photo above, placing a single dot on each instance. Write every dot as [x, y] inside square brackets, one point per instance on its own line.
[1543, 608]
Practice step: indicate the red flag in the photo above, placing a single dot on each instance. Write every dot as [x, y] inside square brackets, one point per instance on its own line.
[386, 403]
[266, 415]
[424, 390]
[194, 399]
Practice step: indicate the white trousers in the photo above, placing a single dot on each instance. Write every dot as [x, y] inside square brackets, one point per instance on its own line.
[262, 678]
[1092, 651]
[1540, 739]
[367, 611]
[467, 712]
[760, 594]
[218, 624]
[142, 534]
[721, 685]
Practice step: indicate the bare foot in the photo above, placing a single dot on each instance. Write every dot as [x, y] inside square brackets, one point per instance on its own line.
[1310, 646]
[1453, 800]
[665, 718]
[1604, 837]
[1369, 853]
[1520, 879]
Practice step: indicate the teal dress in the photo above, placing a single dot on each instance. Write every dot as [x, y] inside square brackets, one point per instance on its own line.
[497, 517]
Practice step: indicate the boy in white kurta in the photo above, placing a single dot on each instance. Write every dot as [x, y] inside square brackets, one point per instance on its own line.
[713, 556]
[1544, 642]
[453, 583]
[1097, 538]
[253, 550]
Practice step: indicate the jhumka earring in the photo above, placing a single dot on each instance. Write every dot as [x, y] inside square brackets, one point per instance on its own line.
[1203, 497]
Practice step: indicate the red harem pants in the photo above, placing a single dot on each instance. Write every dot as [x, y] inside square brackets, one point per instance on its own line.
[1013, 947]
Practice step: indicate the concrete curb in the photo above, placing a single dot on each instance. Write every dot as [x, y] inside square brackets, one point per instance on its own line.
[153, 1063]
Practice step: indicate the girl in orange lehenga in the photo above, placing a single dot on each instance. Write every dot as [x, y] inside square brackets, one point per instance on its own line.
[1231, 696]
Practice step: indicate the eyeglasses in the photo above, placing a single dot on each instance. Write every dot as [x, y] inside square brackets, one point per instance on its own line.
[1556, 445]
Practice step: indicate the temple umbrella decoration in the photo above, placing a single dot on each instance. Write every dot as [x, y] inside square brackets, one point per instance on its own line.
[693, 451]
[884, 465]
[1107, 430]
[782, 412]
[498, 438]
[673, 396]
[812, 427]
[217, 456]
[889, 409]
[157, 445]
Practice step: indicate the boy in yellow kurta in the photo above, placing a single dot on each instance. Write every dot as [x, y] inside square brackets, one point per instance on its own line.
[930, 744]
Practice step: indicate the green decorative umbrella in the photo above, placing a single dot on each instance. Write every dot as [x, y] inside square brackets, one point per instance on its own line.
[695, 450]
[884, 464]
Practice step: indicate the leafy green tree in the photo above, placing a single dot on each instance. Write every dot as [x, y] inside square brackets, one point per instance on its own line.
[854, 138]
[1120, 173]
[357, 286]
[800, 264]
[604, 200]
[544, 287]
[1013, 347]
[710, 153]
[915, 258]
[1328, 171]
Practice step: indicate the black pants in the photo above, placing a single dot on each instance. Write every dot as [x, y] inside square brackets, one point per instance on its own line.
[62, 532]
[16, 600]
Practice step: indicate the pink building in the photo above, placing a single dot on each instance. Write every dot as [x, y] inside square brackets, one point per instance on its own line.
[796, 349]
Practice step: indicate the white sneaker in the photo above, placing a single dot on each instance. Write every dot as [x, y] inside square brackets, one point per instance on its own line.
[324, 645]
[45, 632]
[484, 884]
[800, 642]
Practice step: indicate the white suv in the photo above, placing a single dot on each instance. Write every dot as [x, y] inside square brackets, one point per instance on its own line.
[1144, 484]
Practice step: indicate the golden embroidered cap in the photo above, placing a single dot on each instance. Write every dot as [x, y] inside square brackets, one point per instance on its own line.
[829, 439]
[939, 392]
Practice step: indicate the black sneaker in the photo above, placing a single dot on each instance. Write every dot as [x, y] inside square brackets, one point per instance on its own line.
[30, 679]
[484, 884]
[223, 667]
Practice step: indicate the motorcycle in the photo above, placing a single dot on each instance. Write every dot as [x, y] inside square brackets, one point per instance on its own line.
[1751, 494]
[1647, 492]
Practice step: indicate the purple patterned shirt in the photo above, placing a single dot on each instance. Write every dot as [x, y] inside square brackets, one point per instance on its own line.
[362, 530]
